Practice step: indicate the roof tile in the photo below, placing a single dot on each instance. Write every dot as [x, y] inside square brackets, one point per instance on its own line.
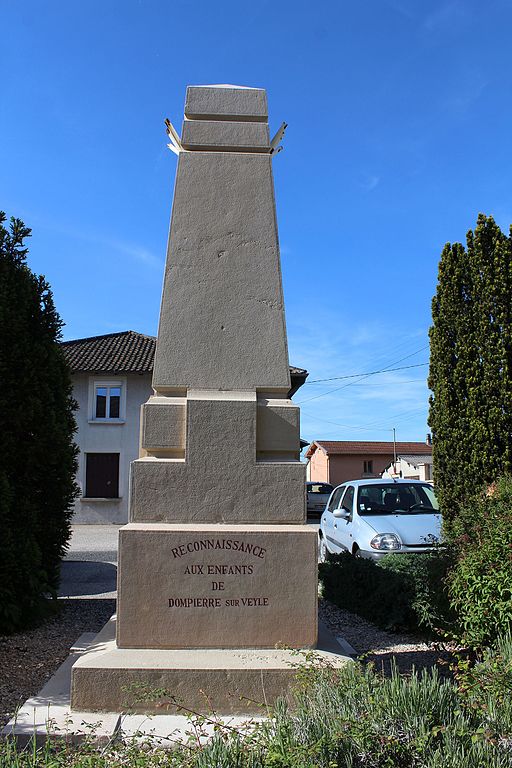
[125, 352]
[128, 352]
[370, 447]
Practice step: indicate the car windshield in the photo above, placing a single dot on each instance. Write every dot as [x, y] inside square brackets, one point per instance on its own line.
[323, 488]
[396, 498]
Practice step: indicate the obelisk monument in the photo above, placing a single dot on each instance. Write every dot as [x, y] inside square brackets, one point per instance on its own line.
[216, 560]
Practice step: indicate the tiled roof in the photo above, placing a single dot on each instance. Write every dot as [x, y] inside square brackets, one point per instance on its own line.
[129, 352]
[348, 447]
[125, 352]
[414, 459]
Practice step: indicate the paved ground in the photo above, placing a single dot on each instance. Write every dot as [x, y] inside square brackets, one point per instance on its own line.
[89, 570]
[94, 542]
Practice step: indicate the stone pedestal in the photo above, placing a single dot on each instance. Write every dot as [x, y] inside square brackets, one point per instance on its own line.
[217, 560]
[223, 586]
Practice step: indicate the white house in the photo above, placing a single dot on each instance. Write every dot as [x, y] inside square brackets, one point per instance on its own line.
[111, 377]
[411, 467]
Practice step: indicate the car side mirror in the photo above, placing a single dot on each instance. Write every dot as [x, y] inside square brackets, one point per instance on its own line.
[342, 512]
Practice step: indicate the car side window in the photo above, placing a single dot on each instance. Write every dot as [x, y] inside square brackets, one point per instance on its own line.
[348, 499]
[336, 498]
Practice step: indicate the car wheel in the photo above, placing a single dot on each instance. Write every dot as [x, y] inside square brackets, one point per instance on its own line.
[324, 552]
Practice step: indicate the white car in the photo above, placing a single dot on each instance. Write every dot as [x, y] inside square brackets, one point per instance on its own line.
[371, 518]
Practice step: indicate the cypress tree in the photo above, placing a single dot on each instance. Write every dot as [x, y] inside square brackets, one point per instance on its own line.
[38, 457]
[471, 366]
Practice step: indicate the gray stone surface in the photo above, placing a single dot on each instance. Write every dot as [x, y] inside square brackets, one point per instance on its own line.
[220, 480]
[227, 136]
[49, 714]
[222, 320]
[226, 103]
[164, 424]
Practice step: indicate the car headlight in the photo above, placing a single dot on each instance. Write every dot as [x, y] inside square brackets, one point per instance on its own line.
[386, 541]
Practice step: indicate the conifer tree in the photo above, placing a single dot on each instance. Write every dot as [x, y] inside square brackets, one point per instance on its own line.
[471, 366]
[38, 456]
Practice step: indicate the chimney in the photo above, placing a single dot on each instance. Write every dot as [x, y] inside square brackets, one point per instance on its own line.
[429, 439]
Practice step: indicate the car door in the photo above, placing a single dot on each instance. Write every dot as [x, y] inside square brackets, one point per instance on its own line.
[343, 525]
[328, 520]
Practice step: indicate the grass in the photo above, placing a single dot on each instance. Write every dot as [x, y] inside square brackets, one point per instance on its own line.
[350, 718]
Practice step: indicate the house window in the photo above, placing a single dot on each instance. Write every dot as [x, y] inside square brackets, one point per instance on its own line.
[368, 467]
[102, 475]
[107, 402]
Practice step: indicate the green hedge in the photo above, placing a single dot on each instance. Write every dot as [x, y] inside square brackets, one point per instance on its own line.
[399, 592]
[480, 583]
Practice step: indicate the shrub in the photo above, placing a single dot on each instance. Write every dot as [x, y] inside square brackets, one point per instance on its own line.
[38, 458]
[480, 583]
[486, 687]
[400, 591]
[346, 718]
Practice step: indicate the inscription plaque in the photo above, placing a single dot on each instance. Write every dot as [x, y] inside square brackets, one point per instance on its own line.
[234, 580]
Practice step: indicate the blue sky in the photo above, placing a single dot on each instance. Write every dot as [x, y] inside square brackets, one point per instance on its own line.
[399, 116]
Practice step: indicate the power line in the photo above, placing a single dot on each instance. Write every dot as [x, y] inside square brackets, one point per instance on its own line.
[346, 426]
[371, 373]
[372, 426]
[364, 376]
[395, 383]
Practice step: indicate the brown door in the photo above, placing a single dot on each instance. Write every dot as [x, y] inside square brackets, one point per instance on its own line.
[102, 475]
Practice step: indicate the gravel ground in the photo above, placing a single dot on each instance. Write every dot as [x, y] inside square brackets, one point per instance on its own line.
[29, 659]
[381, 647]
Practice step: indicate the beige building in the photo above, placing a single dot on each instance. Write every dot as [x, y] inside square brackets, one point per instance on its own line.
[112, 377]
[335, 461]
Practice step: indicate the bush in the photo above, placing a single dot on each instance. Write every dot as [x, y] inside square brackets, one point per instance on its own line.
[38, 458]
[480, 583]
[400, 591]
[486, 687]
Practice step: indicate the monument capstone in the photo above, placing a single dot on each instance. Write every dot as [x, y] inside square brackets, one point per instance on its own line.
[217, 568]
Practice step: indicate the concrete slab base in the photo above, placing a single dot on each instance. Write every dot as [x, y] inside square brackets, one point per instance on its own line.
[49, 714]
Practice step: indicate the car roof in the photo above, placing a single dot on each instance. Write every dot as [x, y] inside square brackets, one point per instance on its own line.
[384, 481]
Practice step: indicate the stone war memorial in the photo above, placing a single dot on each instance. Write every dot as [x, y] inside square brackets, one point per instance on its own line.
[217, 579]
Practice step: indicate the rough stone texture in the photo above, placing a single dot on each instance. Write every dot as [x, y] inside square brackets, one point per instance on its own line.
[217, 134]
[277, 426]
[222, 318]
[220, 480]
[164, 422]
[185, 586]
[226, 103]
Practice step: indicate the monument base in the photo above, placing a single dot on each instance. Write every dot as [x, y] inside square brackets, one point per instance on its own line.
[229, 682]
